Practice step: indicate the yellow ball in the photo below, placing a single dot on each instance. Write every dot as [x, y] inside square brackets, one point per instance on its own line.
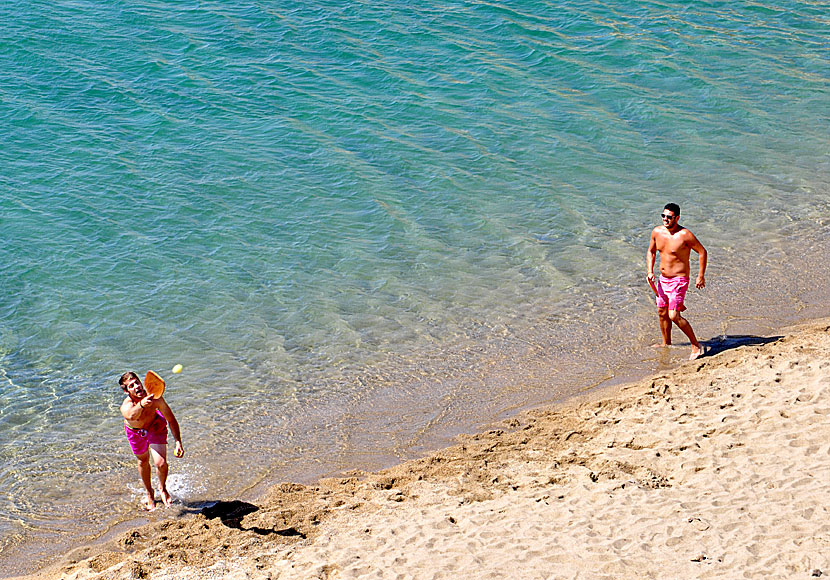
[177, 369]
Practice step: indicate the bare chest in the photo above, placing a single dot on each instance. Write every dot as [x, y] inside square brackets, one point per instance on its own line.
[668, 243]
[141, 421]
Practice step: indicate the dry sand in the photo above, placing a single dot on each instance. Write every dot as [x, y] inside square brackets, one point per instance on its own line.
[718, 469]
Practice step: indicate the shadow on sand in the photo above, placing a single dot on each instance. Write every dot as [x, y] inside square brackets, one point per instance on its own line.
[230, 513]
[722, 343]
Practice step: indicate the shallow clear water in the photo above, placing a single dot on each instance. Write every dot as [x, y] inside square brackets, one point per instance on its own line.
[365, 227]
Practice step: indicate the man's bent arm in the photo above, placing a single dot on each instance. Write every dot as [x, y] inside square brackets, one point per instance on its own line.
[702, 260]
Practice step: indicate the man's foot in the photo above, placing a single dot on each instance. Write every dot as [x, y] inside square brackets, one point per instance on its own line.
[661, 345]
[696, 352]
[165, 497]
[149, 503]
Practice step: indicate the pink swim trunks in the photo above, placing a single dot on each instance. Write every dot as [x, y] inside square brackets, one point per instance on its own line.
[672, 291]
[141, 439]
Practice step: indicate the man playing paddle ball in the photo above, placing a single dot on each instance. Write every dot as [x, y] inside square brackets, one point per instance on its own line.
[145, 422]
[675, 244]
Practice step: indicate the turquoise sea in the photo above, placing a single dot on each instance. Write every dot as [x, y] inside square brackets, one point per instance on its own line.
[365, 227]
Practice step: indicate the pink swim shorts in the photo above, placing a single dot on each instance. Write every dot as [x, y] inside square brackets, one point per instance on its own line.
[671, 291]
[141, 439]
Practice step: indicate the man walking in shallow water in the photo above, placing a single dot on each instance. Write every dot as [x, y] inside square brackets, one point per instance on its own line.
[675, 244]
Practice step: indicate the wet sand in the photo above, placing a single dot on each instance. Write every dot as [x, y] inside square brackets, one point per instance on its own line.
[719, 468]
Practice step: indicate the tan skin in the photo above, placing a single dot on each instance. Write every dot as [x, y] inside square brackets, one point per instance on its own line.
[675, 244]
[139, 411]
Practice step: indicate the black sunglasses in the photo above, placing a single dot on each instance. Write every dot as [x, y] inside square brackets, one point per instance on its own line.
[667, 217]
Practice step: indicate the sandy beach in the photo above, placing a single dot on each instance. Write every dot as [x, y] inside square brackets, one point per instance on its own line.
[719, 468]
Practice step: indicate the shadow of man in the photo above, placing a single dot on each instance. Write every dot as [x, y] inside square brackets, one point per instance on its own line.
[722, 343]
[231, 513]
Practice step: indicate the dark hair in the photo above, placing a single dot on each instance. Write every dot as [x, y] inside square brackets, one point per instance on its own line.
[674, 208]
[125, 377]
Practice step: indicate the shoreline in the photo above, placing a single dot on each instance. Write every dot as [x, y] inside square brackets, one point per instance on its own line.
[457, 411]
[682, 472]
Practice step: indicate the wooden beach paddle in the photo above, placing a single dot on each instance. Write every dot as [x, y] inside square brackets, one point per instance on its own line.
[154, 384]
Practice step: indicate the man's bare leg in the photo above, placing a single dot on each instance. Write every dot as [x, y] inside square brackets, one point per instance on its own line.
[159, 453]
[684, 325]
[149, 502]
[665, 325]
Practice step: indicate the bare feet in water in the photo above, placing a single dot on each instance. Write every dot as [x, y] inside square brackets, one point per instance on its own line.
[697, 351]
[149, 503]
[165, 497]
